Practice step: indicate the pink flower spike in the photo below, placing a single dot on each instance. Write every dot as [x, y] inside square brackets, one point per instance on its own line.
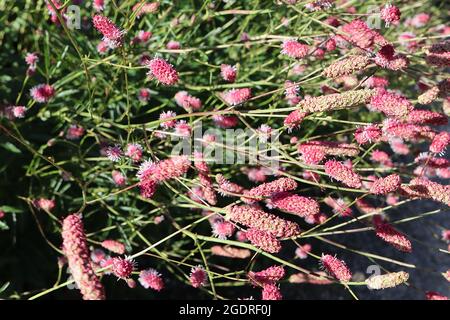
[111, 33]
[294, 119]
[302, 251]
[368, 134]
[336, 268]
[144, 95]
[122, 268]
[294, 49]
[263, 240]
[163, 71]
[391, 104]
[114, 246]
[222, 229]
[42, 93]
[119, 178]
[114, 153]
[168, 123]
[198, 277]
[236, 97]
[390, 14]
[440, 142]
[150, 278]
[271, 292]
[392, 236]
[433, 295]
[228, 72]
[337, 170]
[294, 204]
[270, 188]
[267, 276]
[386, 185]
[134, 152]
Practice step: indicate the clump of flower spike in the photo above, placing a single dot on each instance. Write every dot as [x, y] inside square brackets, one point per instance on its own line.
[122, 268]
[336, 101]
[391, 235]
[439, 90]
[163, 71]
[294, 204]
[228, 72]
[391, 104]
[150, 278]
[337, 170]
[198, 277]
[236, 97]
[385, 281]
[368, 134]
[114, 246]
[313, 152]
[427, 117]
[424, 188]
[346, 66]
[358, 33]
[406, 131]
[294, 49]
[336, 268]
[386, 185]
[230, 252]
[227, 187]
[263, 240]
[268, 189]
[440, 142]
[76, 250]
[253, 217]
[112, 35]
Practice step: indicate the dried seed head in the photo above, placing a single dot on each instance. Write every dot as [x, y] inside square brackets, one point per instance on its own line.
[385, 281]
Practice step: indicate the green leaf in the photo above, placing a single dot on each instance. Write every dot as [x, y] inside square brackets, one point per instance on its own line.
[10, 147]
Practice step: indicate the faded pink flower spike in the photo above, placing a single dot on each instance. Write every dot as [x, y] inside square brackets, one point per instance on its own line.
[163, 71]
[111, 33]
[390, 14]
[294, 204]
[228, 72]
[256, 218]
[76, 250]
[227, 187]
[188, 102]
[294, 49]
[230, 252]
[385, 185]
[336, 268]
[134, 152]
[392, 236]
[270, 188]
[336, 101]
[114, 246]
[150, 278]
[271, 292]
[263, 240]
[391, 104]
[346, 66]
[294, 119]
[164, 170]
[118, 177]
[337, 170]
[339, 206]
[427, 117]
[198, 277]
[222, 229]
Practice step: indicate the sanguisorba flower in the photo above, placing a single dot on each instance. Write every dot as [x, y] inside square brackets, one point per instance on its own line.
[294, 49]
[269, 188]
[368, 134]
[263, 240]
[388, 280]
[230, 252]
[236, 97]
[134, 151]
[346, 66]
[146, 8]
[42, 93]
[433, 295]
[228, 72]
[186, 101]
[440, 142]
[122, 268]
[386, 185]
[313, 152]
[271, 292]
[392, 236]
[114, 246]
[227, 187]
[390, 14]
[253, 217]
[336, 101]
[164, 170]
[294, 204]
[112, 34]
[337, 170]
[439, 90]
[391, 104]
[424, 188]
[294, 119]
[76, 250]
[150, 278]
[163, 71]
[427, 117]
[336, 268]
[267, 276]
[198, 277]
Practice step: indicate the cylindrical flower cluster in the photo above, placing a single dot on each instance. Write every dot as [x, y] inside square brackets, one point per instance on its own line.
[336, 268]
[295, 204]
[385, 185]
[385, 281]
[268, 189]
[346, 66]
[263, 240]
[342, 173]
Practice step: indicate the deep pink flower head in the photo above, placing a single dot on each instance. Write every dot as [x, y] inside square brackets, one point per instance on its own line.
[122, 268]
[42, 93]
[253, 217]
[150, 278]
[368, 134]
[169, 123]
[392, 236]
[267, 276]
[263, 240]
[433, 295]
[358, 32]
[390, 14]
[75, 132]
[337, 170]
[80, 265]
[118, 177]
[427, 117]
[271, 292]
[302, 251]
[228, 72]
[236, 97]
[270, 188]
[294, 119]
[147, 188]
[336, 268]
[294, 49]
[440, 142]
[198, 277]
[134, 151]
[186, 101]
[387, 58]
[164, 170]
[386, 185]
[295, 204]
[391, 104]
[111, 33]
[163, 71]
[222, 229]
[114, 246]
